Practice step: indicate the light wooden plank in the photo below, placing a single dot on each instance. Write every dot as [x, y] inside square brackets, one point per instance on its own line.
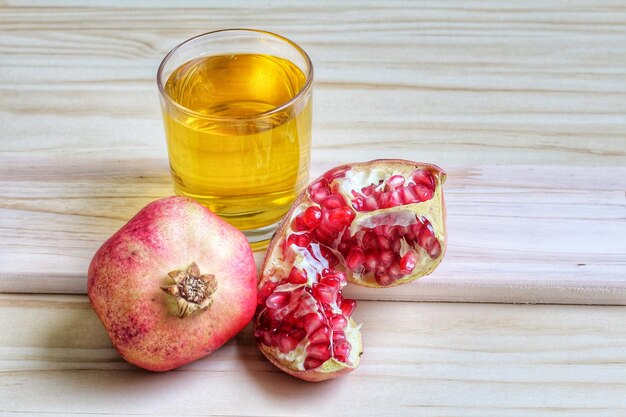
[517, 234]
[424, 359]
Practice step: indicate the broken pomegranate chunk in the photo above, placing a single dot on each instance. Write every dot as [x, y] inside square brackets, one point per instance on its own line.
[377, 224]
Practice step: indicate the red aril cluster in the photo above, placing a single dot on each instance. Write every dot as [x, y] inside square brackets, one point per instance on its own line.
[314, 316]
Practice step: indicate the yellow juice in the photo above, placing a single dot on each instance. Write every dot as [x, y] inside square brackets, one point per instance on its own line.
[238, 150]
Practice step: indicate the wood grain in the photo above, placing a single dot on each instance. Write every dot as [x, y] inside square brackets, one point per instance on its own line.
[523, 105]
[518, 234]
[436, 359]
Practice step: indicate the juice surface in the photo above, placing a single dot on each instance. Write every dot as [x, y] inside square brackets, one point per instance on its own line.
[229, 153]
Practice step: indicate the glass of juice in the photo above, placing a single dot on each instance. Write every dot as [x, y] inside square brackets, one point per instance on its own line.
[237, 113]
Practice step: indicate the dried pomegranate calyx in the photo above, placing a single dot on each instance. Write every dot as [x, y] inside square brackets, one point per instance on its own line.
[192, 289]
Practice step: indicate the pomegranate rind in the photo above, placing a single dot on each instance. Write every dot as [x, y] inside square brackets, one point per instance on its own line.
[126, 274]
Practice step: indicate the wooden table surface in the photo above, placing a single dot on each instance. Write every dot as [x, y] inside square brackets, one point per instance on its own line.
[523, 104]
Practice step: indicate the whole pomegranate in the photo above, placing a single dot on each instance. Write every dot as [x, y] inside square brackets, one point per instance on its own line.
[173, 284]
[377, 224]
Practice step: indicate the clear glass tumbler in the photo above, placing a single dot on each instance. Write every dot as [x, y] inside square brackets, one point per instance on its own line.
[237, 109]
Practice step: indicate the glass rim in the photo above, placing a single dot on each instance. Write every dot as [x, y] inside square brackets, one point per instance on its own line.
[305, 88]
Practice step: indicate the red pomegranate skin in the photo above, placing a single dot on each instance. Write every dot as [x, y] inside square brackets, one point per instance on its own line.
[127, 272]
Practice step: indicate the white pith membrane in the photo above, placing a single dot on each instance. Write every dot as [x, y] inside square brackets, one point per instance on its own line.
[314, 251]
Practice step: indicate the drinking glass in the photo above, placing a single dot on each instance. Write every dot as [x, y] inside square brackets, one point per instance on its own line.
[237, 108]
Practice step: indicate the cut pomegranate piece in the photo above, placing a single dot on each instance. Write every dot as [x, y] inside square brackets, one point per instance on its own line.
[377, 224]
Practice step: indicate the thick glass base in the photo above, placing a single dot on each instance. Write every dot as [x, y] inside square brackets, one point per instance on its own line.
[260, 238]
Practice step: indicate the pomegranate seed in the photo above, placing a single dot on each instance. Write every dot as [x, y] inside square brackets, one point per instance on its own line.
[358, 204]
[435, 250]
[369, 241]
[265, 337]
[394, 270]
[416, 228]
[312, 217]
[422, 193]
[369, 190]
[265, 291]
[408, 196]
[322, 183]
[325, 293]
[286, 343]
[312, 322]
[328, 225]
[341, 350]
[408, 261]
[334, 282]
[355, 258]
[278, 300]
[396, 245]
[389, 232]
[338, 335]
[347, 307]
[301, 240]
[384, 279]
[285, 327]
[297, 334]
[371, 259]
[329, 256]
[319, 351]
[395, 198]
[371, 203]
[338, 172]
[338, 322]
[320, 194]
[298, 224]
[383, 243]
[386, 258]
[328, 309]
[383, 200]
[426, 238]
[323, 235]
[341, 358]
[423, 177]
[311, 363]
[395, 181]
[341, 217]
[297, 276]
[335, 276]
[333, 202]
[321, 335]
